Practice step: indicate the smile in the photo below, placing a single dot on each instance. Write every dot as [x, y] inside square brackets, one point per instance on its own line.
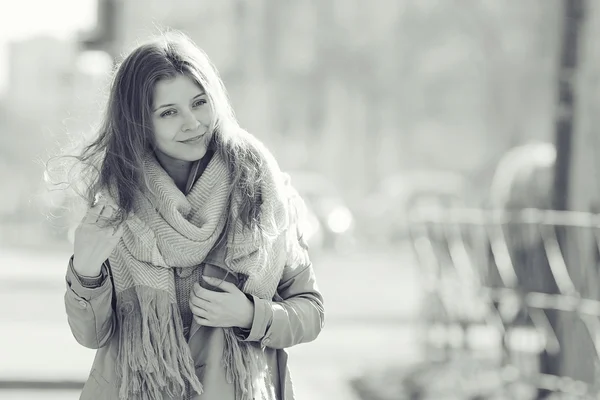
[193, 140]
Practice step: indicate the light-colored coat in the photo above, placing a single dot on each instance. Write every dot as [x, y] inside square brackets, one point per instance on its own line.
[294, 316]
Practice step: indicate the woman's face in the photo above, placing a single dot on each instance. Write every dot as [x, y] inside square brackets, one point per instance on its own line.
[181, 118]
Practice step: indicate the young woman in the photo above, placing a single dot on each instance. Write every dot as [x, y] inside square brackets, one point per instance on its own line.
[189, 274]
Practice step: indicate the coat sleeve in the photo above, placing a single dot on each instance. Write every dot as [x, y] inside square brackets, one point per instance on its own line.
[90, 310]
[297, 314]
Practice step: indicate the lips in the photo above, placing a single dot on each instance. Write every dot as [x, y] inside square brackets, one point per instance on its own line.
[192, 139]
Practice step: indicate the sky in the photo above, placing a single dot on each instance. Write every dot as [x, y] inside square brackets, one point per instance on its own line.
[21, 19]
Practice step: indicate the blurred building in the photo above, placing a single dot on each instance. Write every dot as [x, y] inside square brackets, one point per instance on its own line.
[52, 84]
[38, 94]
[288, 79]
[53, 94]
[358, 91]
[40, 77]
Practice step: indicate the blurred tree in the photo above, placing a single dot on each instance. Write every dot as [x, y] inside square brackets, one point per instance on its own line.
[573, 14]
[572, 26]
[370, 88]
[386, 85]
[576, 183]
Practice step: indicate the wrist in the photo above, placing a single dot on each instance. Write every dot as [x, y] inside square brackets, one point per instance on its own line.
[247, 323]
[83, 269]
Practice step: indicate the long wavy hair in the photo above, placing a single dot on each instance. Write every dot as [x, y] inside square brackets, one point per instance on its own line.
[113, 161]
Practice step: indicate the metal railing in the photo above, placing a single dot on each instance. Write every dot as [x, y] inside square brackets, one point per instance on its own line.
[516, 291]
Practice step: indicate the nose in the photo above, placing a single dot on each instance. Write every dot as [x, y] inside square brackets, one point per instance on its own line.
[190, 123]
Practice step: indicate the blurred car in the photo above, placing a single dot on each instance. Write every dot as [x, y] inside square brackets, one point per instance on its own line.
[335, 220]
[313, 231]
[386, 213]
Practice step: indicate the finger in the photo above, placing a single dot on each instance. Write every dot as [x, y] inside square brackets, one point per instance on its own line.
[98, 201]
[205, 294]
[92, 214]
[106, 213]
[203, 321]
[107, 198]
[99, 214]
[221, 284]
[199, 302]
[103, 199]
[95, 200]
[198, 311]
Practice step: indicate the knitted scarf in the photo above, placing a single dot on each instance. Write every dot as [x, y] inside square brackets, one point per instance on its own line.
[168, 229]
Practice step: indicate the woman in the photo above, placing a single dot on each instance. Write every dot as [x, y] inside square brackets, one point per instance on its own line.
[189, 273]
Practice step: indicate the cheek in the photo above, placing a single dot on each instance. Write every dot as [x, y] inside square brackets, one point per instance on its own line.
[164, 130]
[204, 115]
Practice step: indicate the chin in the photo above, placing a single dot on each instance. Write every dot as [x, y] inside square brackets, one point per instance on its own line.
[189, 154]
[193, 154]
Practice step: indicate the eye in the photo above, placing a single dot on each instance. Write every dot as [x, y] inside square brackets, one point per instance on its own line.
[168, 113]
[199, 102]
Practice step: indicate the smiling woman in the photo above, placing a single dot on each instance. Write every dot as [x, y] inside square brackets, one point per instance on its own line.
[189, 273]
[182, 123]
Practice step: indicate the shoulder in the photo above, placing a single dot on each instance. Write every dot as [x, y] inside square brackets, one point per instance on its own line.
[250, 146]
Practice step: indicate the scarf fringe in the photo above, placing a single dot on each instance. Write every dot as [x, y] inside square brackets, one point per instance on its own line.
[154, 353]
[168, 229]
[246, 366]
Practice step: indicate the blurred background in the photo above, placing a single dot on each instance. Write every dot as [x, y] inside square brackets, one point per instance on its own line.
[447, 150]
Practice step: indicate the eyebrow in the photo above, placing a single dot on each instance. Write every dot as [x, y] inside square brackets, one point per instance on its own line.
[171, 105]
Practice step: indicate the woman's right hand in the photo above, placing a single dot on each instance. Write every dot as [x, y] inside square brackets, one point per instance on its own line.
[94, 241]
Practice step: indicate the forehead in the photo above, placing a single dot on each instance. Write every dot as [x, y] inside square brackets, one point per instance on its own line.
[173, 90]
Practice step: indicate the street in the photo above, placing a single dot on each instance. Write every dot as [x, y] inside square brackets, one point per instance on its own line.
[370, 299]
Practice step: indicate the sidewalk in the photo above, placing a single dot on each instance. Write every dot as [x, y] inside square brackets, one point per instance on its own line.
[322, 370]
[23, 265]
[377, 286]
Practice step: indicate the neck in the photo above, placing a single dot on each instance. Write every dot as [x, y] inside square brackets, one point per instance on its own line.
[178, 170]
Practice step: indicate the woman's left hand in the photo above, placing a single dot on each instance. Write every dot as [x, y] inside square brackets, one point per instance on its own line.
[230, 308]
